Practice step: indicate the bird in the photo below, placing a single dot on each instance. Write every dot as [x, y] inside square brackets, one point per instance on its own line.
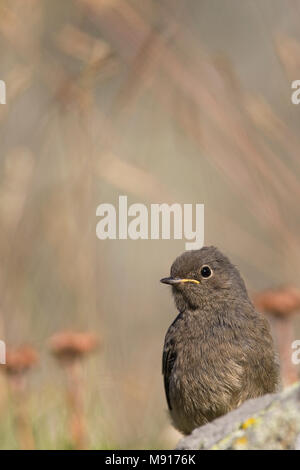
[219, 351]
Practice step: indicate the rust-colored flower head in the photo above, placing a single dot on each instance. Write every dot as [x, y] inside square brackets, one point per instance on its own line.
[20, 360]
[281, 302]
[69, 345]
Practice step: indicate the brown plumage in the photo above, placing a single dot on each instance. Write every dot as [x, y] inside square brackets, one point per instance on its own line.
[218, 352]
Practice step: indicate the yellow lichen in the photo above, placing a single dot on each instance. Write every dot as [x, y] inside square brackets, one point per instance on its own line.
[241, 442]
[249, 422]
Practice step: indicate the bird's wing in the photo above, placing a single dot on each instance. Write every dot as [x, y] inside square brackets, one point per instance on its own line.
[168, 359]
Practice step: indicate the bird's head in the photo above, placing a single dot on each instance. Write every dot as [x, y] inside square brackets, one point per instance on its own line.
[199, 277]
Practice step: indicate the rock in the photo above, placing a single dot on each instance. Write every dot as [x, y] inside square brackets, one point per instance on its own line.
[268, 422]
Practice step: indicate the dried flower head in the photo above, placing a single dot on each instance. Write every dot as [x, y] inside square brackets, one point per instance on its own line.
[70, 345]
[281, 302]
[20, 360]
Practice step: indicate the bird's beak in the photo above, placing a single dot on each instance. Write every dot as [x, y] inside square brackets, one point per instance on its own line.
[176, 280]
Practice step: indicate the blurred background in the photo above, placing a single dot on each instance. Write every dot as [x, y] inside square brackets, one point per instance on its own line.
[163, 101]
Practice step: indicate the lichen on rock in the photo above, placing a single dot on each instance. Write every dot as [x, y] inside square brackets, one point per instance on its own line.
[270, 422]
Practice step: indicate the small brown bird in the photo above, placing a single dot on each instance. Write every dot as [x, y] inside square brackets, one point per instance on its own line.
[219, 351]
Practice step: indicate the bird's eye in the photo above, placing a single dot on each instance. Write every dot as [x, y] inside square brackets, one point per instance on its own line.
[206, 272]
